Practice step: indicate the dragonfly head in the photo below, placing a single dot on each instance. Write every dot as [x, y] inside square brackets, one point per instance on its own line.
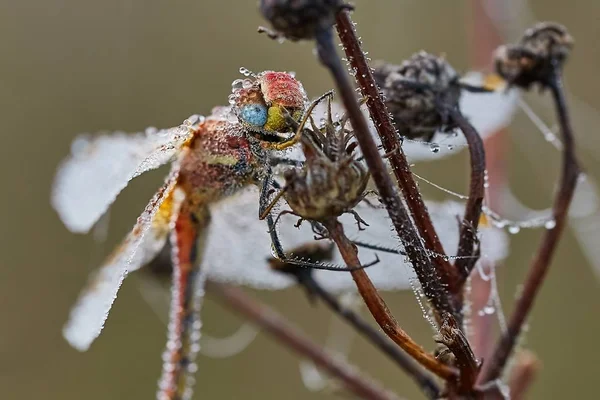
[264, 103]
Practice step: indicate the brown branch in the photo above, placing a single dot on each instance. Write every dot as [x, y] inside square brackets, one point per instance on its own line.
[433, 287]
[424, 380]
[389, 140]
[276, 325]
[453, 338]
[379, 308]
[523, 374]
[541, 262]
[468, 232]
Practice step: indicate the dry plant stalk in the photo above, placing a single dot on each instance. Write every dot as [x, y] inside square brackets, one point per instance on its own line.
[292, 338]
[536, 60]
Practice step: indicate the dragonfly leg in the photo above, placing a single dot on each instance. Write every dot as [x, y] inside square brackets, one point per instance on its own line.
[298, 135]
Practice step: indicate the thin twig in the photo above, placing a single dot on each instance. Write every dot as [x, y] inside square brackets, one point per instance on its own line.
[389, 139]
[424, 380]
[379, 308]
[434, 288]
[468, 232]
[273, 323]
[541, 262]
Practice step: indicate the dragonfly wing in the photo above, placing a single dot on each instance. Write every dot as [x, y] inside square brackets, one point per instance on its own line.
[238, 244]
[139, 247]
[487, 112]
[394, 272]
[99, 167]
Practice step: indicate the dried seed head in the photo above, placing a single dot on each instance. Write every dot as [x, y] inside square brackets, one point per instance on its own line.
[331, 182]
[300, 19]
[414, 92]
[324, 188]
[541, 50]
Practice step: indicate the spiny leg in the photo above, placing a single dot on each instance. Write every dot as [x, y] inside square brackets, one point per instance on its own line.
[276, 242]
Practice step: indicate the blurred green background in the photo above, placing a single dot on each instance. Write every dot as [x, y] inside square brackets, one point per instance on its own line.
[71, 66]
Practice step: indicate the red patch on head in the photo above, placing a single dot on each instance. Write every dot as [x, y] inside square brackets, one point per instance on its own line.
[283, 89]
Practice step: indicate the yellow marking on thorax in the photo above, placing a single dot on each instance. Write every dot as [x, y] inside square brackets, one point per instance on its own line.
[160, 222]
[220, 159]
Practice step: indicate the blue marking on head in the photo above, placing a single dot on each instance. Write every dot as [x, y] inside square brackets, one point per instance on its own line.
[254, 114]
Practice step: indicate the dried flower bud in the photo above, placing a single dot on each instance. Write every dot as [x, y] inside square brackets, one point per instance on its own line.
[332, 182]
[541, 50]
[300, 19]
[414, 92]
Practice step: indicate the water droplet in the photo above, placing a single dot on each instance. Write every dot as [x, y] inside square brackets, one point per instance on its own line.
[489, 310]
[514, 229]
[434, 147]
[550, 224]
[486, 179]
[246, 72]
[237, 84]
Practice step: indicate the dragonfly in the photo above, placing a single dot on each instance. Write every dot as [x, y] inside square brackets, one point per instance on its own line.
[208, 204]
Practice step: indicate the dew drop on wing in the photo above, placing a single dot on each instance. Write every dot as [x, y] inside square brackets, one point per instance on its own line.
[550, 224]
[514, 229]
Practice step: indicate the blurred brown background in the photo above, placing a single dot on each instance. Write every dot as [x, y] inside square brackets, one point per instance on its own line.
[71, 66]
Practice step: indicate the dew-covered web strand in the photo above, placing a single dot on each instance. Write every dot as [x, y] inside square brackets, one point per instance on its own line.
[493, 305]
[438, 145]
[513, 226]
[544, 129]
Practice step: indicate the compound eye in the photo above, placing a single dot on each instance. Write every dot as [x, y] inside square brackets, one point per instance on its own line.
[254, 114]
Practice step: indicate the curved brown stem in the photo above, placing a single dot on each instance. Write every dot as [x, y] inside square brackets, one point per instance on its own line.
[424, 380]
[468, 231]
[379, 308]
[541, 262]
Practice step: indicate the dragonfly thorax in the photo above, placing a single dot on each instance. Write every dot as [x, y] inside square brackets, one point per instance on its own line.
[221, 160]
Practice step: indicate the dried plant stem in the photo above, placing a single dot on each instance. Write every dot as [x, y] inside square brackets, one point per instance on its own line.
[424, 380]
[452, 337]
[275, 324]
[541, 262]
[468, 232]
[378, 307]
[433, 287]
[523, 374]
[392, 147]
